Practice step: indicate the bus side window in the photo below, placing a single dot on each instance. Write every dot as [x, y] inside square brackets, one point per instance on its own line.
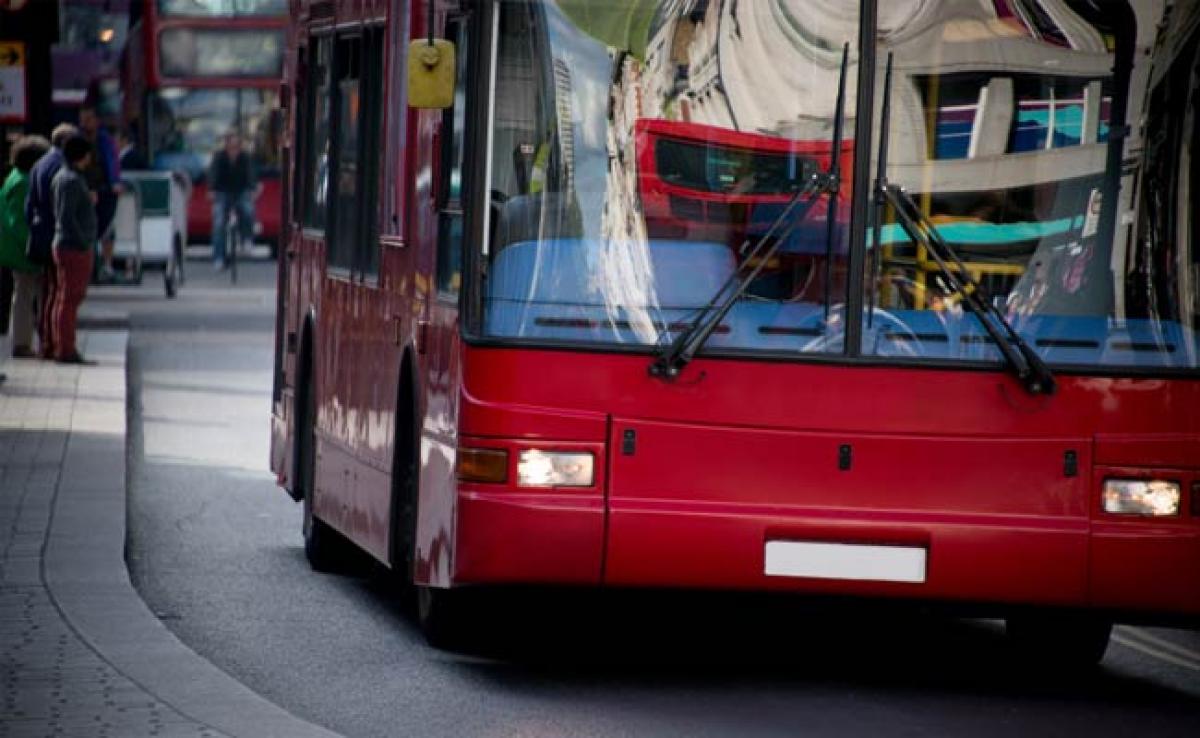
[370, 146]
[315, 131]
[450, 197]
[359, 72]
[300, 134]
[347, 127]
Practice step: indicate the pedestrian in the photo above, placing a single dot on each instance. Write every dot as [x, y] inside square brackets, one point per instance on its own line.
[39, 215]
[14, 237]
[103, 177]
[232, 183]
[75, 233]
[129, 157]
[7, 287]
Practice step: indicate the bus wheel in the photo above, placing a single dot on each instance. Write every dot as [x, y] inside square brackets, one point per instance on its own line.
[1060, 640]
[441, 614]
[403, 543]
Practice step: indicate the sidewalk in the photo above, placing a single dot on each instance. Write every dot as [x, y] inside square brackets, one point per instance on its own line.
[80, 654]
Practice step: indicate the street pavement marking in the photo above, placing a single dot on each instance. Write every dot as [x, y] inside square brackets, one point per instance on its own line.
[1158, 648]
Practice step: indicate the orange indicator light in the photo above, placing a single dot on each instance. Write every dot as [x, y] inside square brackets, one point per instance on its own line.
[482, 465]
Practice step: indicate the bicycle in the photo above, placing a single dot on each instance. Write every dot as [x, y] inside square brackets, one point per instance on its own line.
[233, 241]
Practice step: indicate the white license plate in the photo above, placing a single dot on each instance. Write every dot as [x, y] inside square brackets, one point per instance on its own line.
[858, 562]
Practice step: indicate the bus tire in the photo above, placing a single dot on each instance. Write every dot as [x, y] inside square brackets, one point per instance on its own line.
[441, 613]
[403, 534]
[1059, 641]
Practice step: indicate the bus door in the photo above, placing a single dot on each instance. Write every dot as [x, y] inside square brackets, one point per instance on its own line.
[354, 329]
[442, 354]
[287, 302]
[309, 216]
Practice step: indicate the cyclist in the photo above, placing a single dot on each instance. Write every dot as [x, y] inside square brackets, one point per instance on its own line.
[232, 183]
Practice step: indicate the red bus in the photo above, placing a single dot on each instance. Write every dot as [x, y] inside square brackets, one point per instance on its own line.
[691, 175]
[502, 359]
[704, 183]
[196, 69]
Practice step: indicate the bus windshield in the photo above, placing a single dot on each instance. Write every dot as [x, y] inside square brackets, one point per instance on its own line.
[205, 52]
[187, 126]
[637, 148]
[202, 8]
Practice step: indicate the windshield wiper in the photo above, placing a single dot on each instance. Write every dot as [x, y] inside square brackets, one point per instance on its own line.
[677, 354]
[1025, 362]
[1029, 368]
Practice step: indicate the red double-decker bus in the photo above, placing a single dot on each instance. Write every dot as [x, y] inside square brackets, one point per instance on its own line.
[506, 356]
[196, 69]
[693, 177]
[707, 183]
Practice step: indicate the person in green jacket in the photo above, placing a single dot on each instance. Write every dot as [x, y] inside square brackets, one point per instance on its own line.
[14, 233]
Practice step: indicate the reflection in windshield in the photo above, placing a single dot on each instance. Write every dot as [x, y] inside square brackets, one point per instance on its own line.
[92, 28]
[1000, 132]
[708, 168]
[198, 8]
[187, 126]
[196, 52]
[1161, 261]
[639, 147]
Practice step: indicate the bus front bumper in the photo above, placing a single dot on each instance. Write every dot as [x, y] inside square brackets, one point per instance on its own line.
[567, 538]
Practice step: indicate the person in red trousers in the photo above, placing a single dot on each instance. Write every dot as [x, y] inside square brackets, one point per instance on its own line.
[39, 214]
[74, 245]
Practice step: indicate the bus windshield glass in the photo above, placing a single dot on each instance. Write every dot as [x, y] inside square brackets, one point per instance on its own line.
[638, 150]
[221, 8]
[210, 52]
[707, 168]
[187, 125]
[1000, 132]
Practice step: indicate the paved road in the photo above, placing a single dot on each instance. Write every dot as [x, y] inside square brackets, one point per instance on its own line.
[215, 551]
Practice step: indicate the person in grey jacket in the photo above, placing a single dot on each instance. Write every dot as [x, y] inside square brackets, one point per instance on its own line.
[75, 233]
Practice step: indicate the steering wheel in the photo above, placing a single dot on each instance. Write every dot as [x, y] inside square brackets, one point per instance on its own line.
[901, 339]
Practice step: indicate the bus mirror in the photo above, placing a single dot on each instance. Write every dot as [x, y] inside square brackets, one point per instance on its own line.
[431, 68]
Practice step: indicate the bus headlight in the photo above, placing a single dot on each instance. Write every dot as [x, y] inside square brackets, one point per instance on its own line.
[1151, 497]
[555, 469]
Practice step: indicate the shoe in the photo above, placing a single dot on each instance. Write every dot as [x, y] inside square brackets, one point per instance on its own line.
[107, 274]
[220, 265]
[75, 358]
[23, 352]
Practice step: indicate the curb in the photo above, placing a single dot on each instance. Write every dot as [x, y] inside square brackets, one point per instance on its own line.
[93, 318]
[85, 570]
